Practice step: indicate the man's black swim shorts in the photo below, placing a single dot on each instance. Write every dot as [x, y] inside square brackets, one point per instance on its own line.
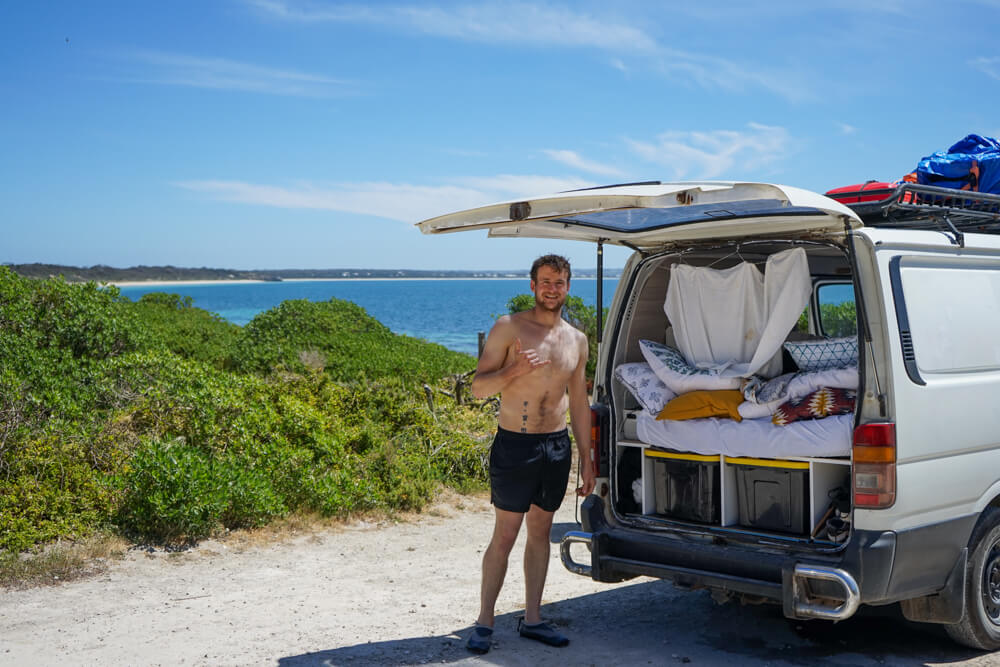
[529, 469]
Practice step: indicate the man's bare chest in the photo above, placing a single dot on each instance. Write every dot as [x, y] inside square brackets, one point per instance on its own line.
[560, 353]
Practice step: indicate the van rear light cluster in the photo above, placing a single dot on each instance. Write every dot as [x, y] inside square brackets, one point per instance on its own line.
[874, 457]
[599, 445]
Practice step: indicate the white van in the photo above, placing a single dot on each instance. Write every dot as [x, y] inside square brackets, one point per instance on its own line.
[878, 481]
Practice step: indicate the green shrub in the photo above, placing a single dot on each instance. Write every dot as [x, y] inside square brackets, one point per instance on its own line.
[171, 493]
[48, 489]
[87, 320]
[340, 338]
[192, 333]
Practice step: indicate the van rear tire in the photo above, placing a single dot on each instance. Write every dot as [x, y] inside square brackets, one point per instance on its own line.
[980, 625]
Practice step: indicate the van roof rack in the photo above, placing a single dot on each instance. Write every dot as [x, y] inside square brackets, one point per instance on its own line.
[914, 206]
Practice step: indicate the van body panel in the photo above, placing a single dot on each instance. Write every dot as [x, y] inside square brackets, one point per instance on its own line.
[942, 304]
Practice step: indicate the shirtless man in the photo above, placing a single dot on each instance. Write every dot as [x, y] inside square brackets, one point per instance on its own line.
[536, 361]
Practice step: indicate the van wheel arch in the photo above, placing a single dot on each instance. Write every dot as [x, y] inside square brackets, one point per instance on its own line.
[980, 624]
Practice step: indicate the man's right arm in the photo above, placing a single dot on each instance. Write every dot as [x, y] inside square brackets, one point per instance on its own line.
[492, 376]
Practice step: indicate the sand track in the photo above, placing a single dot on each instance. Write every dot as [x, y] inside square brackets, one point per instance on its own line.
[405, 592]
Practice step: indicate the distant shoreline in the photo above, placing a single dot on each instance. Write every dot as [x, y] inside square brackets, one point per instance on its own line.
[168, 283]
[159, 283]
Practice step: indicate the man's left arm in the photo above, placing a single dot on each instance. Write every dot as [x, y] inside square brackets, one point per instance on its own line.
[579, 414]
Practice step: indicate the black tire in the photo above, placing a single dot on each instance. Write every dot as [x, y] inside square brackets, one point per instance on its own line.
[980, 625]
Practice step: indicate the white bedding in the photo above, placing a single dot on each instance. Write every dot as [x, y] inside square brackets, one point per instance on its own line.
[758, 438]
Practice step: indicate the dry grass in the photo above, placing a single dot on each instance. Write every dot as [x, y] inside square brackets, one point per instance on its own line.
[60, 562]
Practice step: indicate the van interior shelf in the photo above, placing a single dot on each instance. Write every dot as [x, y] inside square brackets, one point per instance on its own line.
[914, 206]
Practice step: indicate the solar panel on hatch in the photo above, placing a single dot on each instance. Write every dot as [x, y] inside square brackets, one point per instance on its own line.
[643, 219]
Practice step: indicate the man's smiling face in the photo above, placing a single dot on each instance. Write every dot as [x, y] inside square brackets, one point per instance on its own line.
[550, 288]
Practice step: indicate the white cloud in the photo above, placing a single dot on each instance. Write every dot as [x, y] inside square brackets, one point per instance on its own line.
[575, 160]
[396, 201]
[542, 25]
[988, 66]
[496, 22]
[221, 74]
[846, 129]
[713, 72]
[717, 152]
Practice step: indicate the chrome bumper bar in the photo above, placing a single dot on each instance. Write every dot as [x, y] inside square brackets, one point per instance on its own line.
[803, 608]
[570, 538]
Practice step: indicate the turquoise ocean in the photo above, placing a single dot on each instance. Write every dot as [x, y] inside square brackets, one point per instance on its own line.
[450, 312]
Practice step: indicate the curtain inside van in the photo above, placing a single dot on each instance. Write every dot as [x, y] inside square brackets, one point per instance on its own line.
[736, 319]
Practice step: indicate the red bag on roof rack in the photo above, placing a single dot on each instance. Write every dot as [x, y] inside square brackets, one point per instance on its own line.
[862, 192]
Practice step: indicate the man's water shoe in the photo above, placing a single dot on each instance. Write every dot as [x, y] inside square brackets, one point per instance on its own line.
[542, 632]
[479, 640]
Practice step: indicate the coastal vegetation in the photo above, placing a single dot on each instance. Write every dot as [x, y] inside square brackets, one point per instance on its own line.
[161, 422]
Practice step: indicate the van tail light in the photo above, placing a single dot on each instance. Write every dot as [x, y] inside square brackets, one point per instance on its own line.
[599, 439]
[874, 457]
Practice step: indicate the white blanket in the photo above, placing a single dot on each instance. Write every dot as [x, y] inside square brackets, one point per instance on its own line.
[758, 438]
[737, 319]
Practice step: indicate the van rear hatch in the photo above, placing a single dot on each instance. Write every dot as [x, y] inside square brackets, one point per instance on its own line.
[645, 216]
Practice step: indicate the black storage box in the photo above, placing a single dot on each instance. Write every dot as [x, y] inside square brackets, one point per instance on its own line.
[773, 495]
[686, 486]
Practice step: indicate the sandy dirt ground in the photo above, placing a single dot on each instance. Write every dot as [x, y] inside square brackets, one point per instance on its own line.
[405, 593]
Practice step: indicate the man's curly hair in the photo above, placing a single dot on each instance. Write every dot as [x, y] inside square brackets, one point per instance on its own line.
[556, 262]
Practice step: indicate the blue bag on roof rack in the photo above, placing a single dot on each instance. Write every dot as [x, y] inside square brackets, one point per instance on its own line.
[972, 163]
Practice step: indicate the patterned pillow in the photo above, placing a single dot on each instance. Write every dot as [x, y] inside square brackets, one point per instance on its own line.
[680, 376]
[819, 355]
[642, 382]
[820, 403]
[759, 390]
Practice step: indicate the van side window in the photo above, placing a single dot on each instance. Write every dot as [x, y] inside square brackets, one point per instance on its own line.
[837, 314]
[952, 307]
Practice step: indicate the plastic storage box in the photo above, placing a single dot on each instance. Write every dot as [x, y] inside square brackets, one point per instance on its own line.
[773, 495]
[686, 486]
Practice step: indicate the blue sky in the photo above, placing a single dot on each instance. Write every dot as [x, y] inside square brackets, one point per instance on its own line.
[285, 134]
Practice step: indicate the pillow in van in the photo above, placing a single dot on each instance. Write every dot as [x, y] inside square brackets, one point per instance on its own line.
[642, 383]
[759, 390]
[680, 376]
[819, 355]
[792, 385]
[821, 403]
[702, 404]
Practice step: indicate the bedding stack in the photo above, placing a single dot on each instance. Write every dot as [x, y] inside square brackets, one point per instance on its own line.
[711, 411]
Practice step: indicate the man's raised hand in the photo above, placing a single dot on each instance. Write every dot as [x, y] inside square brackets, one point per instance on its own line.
[527, 360]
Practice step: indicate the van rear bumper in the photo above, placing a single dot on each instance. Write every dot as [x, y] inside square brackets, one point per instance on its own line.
[807, 584]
